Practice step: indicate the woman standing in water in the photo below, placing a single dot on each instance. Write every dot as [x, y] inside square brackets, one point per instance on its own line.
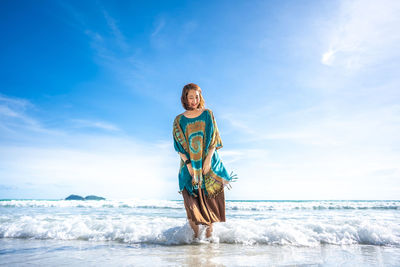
[202, 176]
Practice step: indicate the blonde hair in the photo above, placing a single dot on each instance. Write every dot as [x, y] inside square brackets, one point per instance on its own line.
[185, 91]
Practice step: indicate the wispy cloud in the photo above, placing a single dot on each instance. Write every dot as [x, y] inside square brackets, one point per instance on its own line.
[74, 18]
[158, 27]
[116, 55]
[16, 102]
[320, 125]
[107, 47]
[80, 123]
[15, 117]
[112, 24]
[13, 114]
[363, 33]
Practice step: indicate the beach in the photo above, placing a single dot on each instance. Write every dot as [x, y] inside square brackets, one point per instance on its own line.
[155, 233]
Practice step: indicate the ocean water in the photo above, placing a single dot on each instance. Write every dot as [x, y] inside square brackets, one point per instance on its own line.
[134, 232]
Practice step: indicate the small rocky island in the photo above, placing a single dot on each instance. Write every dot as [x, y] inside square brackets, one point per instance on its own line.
[90, 197]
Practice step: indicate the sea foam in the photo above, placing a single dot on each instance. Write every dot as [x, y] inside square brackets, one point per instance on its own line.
[170, 231]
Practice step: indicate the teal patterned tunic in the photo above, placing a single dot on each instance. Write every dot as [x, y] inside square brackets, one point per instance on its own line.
[194, 137]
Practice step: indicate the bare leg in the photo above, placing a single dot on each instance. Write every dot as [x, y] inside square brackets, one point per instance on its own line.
[209, 231]
[195, 228]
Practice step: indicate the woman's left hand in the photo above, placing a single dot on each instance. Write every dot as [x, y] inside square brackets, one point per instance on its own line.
[206, 166]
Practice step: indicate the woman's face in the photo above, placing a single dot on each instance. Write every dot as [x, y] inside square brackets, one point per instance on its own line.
[193, 97]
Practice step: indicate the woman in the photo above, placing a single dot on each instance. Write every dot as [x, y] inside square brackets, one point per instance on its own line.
[202, 176]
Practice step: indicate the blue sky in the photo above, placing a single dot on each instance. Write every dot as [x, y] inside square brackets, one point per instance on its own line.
[305, 93]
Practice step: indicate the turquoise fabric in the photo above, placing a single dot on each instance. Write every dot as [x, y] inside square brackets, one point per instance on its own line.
[194, 137]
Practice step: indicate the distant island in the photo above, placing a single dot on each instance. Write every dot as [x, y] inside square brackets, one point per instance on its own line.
[90, 197]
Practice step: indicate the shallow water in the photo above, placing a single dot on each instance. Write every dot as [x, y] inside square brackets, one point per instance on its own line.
[153, 232]
[21, 252]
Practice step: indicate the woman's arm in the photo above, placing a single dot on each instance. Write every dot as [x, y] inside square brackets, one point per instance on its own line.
[189, 166]
[207, 160]
[183, 156]
[210, 154]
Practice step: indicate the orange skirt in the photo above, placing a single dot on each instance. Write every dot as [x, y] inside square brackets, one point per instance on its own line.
[204, 210]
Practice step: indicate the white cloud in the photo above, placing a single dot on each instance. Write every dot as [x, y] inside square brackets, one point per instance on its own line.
[317, 152]
[364, 32]
[112, 167]
[328, 57]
